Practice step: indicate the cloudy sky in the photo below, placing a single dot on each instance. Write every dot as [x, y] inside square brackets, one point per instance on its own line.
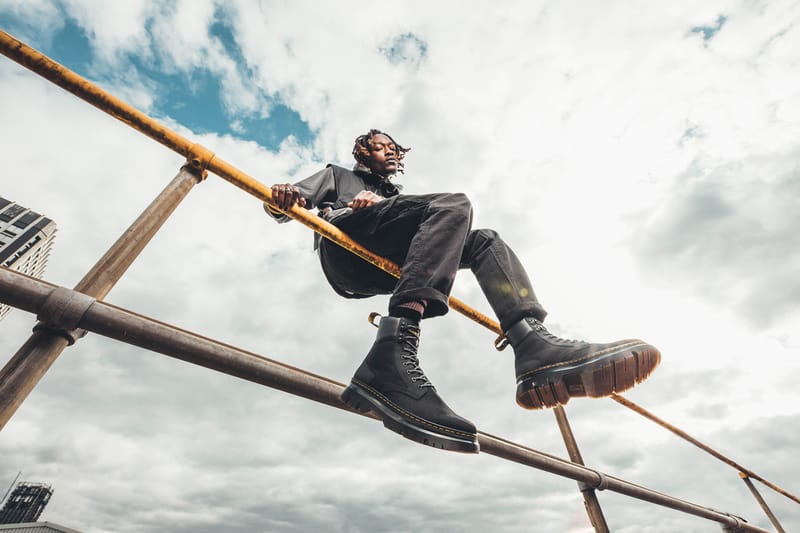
[641, 159]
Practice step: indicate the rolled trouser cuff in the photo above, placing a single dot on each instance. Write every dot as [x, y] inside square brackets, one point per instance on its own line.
[436, 300]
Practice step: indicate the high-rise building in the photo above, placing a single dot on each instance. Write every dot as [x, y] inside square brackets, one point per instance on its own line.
[25, 240]
[26, 503]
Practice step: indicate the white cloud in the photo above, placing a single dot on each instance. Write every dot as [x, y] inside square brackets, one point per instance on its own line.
[566, 124]
[113, 29]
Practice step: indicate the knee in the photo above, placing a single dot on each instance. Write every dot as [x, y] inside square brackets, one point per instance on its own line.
[456, 203]
[480, 240]
[460, 199]
[487, 235]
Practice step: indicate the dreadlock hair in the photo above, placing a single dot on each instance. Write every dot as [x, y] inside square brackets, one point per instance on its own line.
[361, 148]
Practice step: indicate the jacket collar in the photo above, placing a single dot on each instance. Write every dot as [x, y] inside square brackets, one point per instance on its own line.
[385, 185]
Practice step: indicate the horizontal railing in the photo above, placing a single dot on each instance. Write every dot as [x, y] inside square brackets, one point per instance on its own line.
[62, 309]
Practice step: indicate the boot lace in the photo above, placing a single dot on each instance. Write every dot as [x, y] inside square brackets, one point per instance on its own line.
[543, 331]
[409, 341]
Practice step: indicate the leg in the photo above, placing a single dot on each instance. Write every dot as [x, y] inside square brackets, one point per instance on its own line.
[425, 235]
[549, 370]
[502, 277]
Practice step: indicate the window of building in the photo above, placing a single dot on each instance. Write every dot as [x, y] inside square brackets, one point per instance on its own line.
[25, 220]
[11, 212]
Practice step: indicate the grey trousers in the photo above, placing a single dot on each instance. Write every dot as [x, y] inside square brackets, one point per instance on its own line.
[431, 238]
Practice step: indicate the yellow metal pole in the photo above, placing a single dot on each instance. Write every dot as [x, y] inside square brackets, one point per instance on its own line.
[199, 156]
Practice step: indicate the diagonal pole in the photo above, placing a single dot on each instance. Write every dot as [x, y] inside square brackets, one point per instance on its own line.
[590, 500]
[34, 358]
[705, 447]
[762, 502]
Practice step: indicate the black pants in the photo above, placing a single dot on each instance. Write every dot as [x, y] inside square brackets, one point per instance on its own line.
[430, 236]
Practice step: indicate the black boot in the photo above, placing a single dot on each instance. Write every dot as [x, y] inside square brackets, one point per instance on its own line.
[391, 383]
[551, 370]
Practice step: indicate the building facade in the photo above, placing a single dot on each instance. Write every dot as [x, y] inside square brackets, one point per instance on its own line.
[26, 503]
[26, 238]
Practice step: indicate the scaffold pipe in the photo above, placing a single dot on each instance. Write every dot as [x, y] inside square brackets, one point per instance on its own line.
[37, 296]
[200, 156]
[705, 447]
[28, 365]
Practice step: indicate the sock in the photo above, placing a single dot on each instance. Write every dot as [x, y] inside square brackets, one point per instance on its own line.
[410, 310]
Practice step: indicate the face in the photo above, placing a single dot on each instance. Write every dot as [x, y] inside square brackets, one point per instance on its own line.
[382, 158]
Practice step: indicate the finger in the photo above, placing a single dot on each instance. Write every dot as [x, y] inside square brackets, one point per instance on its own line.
[283, 199]
[297, 198]
[286, 196]
[276, 196]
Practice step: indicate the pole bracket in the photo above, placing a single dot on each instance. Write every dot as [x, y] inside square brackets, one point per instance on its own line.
[62, 311]
[738, 527]
[602, 483]
[198, 159]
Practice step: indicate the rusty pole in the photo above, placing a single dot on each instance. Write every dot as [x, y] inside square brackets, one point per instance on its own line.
[199, 156]
[761, 502]
[705, 447]
[65, 309]
[590, 500]
[26, 368]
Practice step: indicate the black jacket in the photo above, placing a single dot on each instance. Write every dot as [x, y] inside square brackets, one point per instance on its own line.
[332, 188]
[329, 191]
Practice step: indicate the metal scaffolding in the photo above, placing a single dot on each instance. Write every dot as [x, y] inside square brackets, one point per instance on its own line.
[65, 315]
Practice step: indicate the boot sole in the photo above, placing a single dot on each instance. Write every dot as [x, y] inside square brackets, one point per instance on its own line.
[596, 377]
[408, 425]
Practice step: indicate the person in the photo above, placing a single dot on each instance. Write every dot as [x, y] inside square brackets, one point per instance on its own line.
[431, 238]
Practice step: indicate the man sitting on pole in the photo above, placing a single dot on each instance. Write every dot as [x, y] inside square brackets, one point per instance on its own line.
[431, 237]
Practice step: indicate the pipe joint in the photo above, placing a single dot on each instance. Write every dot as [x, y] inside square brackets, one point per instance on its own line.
[738, 525]
[62, 311]
[602, 483]
[198, 159]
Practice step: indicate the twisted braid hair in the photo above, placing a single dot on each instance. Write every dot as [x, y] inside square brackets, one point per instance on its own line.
[361, 148]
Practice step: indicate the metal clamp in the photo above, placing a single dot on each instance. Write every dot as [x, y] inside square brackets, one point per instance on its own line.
[62, 311]
[738, 527]
[602, 483]
[198, 159]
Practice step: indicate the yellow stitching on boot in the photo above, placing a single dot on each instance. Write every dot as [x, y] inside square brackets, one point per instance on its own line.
[582, 359]
[403, 412]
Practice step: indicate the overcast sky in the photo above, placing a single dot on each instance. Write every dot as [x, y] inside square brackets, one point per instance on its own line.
[641, 158]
